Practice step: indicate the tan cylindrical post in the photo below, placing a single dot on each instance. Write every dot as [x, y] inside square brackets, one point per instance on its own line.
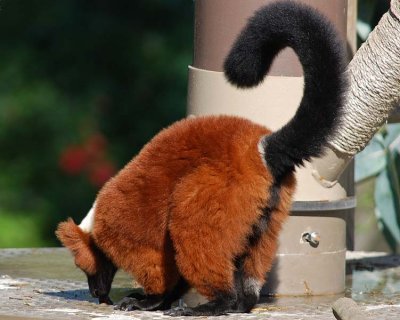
[301, 268]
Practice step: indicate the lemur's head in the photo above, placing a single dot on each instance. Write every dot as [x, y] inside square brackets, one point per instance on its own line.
[99, 269]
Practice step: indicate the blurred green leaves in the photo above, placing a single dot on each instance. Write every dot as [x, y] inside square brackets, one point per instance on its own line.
[71, 71]
[381, 159]
[21, 229]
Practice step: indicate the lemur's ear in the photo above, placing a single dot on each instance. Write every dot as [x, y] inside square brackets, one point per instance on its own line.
[80, 243]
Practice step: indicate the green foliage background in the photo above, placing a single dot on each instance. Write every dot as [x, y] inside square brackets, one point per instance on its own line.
[70, 70]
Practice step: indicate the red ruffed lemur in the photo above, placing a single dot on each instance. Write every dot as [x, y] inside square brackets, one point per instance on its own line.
[203, 202]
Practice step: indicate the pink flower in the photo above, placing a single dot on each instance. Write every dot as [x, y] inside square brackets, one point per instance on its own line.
[95, 146]
[73, 160]
[101, 172]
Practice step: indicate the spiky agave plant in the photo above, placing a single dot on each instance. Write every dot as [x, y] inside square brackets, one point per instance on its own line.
[381, 159]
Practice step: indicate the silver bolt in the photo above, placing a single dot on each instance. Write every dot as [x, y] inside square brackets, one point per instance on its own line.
[311, 237]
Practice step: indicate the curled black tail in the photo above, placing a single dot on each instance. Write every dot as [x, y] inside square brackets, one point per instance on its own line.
[321, 53]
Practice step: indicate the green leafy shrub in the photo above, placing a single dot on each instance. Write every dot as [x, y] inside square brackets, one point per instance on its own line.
[381, 159]
[71, 72]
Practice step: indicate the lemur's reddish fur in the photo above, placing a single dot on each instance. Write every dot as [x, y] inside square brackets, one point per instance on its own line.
[80, 244]
[186, 204]
[205, 199]
[201, 183]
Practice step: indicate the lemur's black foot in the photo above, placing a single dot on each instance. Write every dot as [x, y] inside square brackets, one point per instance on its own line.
[194, 312]
[148, 303]
[179, 311]
[137, 301]
[126, 304]
[213, 308]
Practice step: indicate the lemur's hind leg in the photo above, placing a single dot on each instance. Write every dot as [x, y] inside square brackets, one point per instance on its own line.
[218, 306]
[152, 302]
[155, 270]
[209, 223]
[247, 288]
[135, 302]
[211, 273]
[253, 266]
[241, 299]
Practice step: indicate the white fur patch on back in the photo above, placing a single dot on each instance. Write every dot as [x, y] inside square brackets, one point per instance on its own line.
[261, 149]
[87, 222]
[252, 285]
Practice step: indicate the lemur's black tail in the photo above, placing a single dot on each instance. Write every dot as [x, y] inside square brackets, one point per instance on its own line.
[323, 58]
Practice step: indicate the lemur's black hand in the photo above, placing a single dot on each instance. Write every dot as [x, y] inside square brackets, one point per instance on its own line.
[106, 300]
